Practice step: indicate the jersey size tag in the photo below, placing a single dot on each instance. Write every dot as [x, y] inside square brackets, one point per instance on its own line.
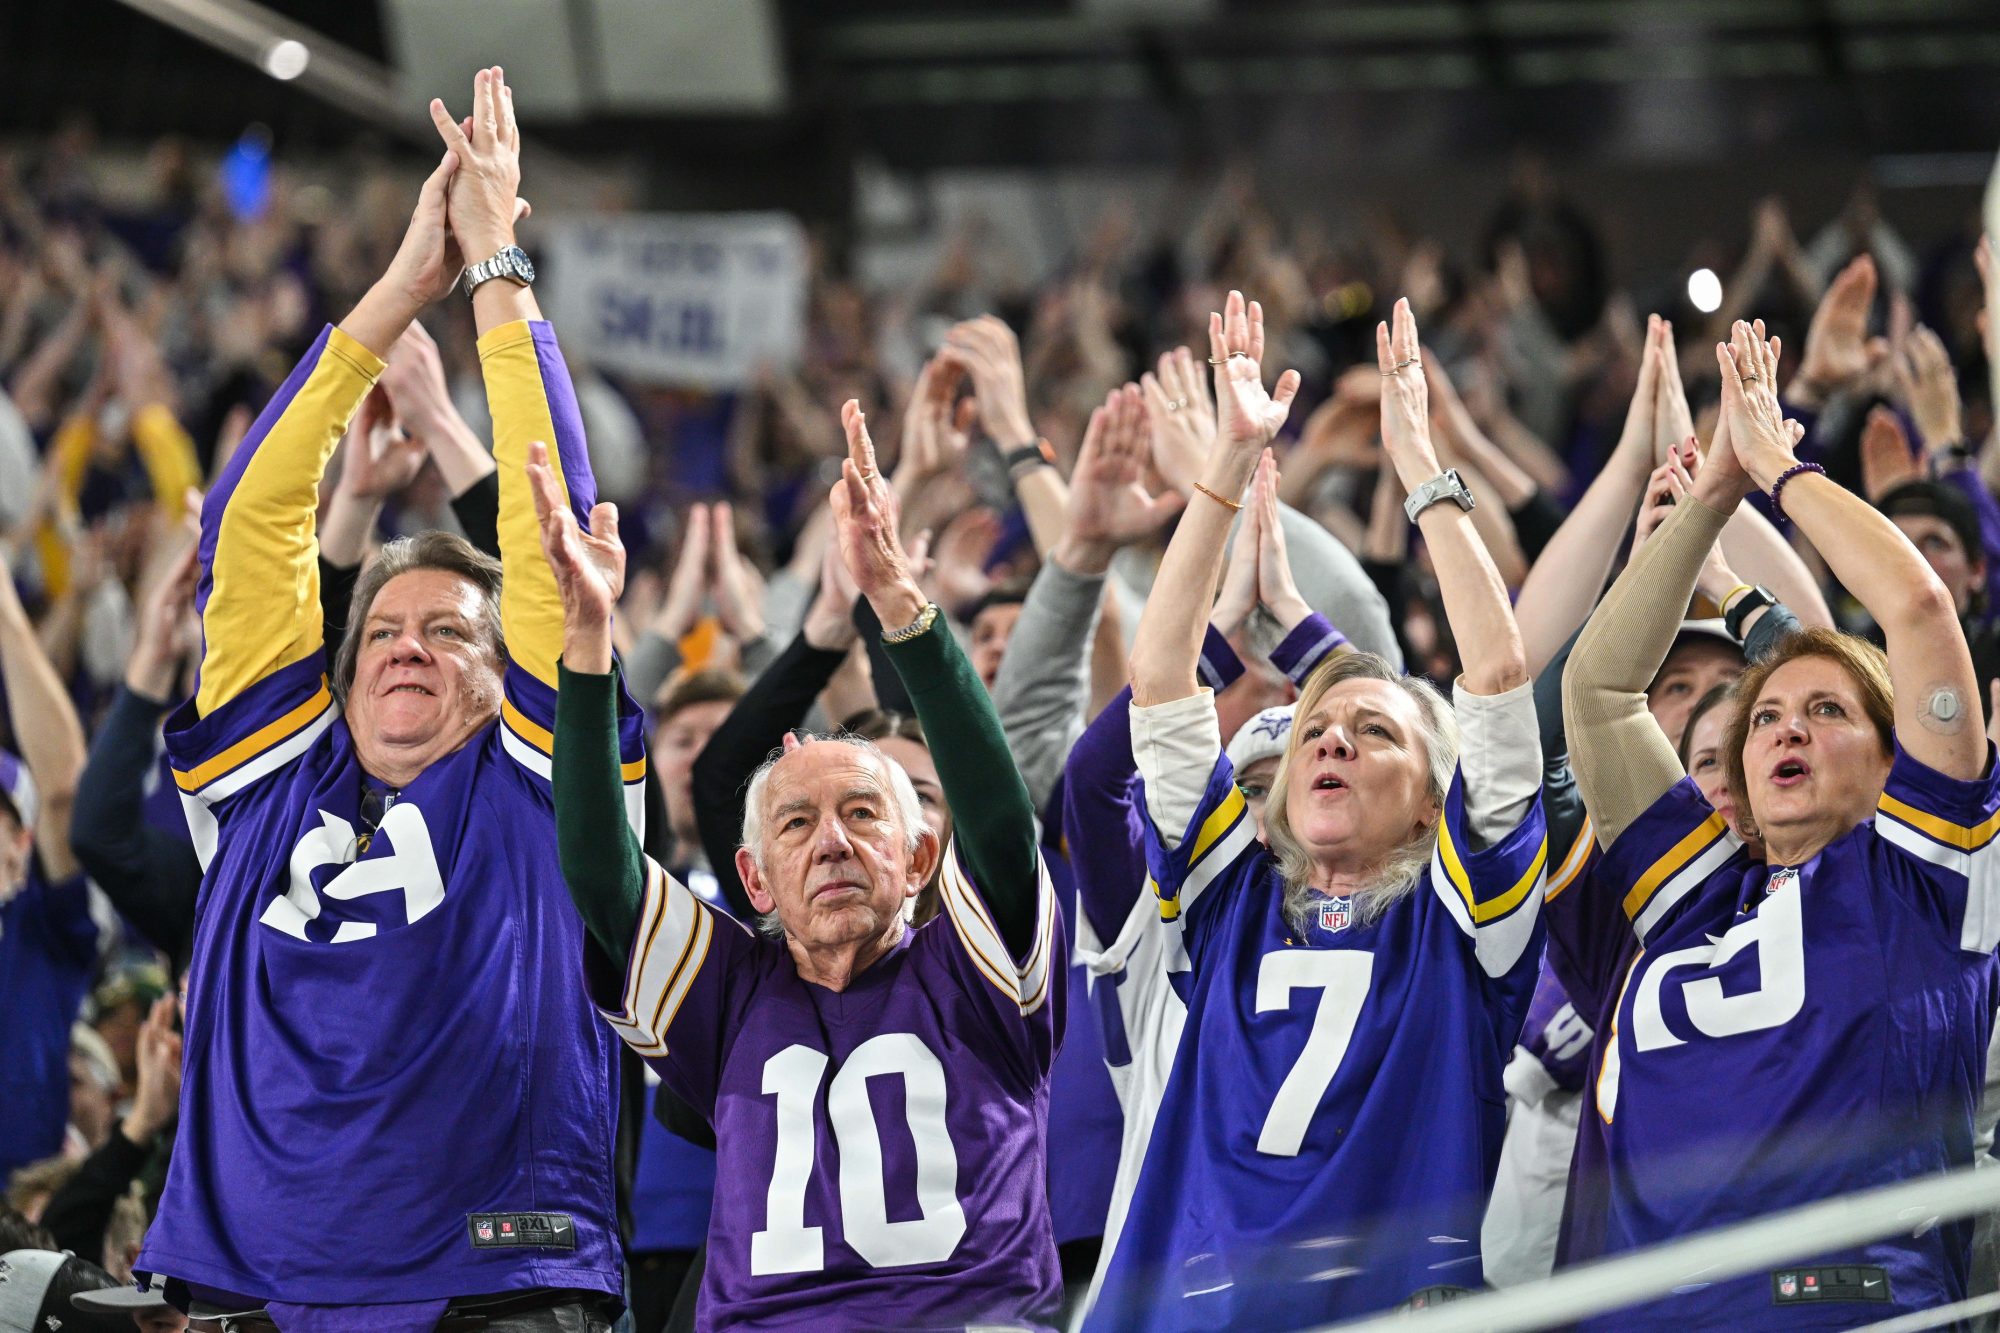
[547, 1231]
[1814, 1286]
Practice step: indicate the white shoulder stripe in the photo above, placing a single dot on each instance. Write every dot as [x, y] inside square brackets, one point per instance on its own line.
[1025, 983]
[671, 943]
[1979, 932]
[271, 760]
[1217, 859]
[1690, 877]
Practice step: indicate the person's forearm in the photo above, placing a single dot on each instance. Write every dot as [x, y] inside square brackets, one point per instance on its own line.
[1866, 552]
[993, 821]
[1044, 682]
[1101, 824]
[601, 862]
[80, 1210]
[1623, 761]
[47, 731]
[345, 527]
[1759, 554]
[1763, 633]
[653, 658]
[462, 459]
[1536, 521]
[1044, 497]
[1565, 582]
[1475, 602]
[111, 791]
[1168, 645]
[1335, 583]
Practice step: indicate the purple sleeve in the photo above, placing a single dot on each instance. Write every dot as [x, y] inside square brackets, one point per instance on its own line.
[1219, 669]
[1104, 830]
[1309, 643]
[1556, 1035]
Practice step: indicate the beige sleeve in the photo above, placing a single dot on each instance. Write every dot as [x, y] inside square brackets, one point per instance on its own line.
[1622, 761]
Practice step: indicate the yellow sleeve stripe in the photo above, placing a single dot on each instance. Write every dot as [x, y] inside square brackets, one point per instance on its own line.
[1494, 908]
[1220, 820]
[1572, 866]
[1170, 908]
[1698, 840]
[255, 743]
[1966, 838]
[538, 736]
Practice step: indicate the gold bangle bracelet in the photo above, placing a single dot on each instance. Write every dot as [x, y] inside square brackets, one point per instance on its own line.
[1231, 505]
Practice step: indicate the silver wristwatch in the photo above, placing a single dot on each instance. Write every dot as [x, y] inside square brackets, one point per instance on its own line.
[1444, 486]
[511, 263]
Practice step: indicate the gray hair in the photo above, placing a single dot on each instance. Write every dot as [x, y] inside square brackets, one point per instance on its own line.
[427, 550]
[901, 790]
[1403, 869]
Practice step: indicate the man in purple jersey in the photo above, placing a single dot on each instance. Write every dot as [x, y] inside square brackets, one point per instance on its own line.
[397, 1104]
[879, 1093]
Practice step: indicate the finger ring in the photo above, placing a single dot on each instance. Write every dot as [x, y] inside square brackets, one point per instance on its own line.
[867, 474]
[1173, 404]
[1217, 360]
[1751, 379]
[1244, 355]
[1409, 361]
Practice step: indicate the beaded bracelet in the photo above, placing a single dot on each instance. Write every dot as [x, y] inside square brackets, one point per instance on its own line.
[1778, 486]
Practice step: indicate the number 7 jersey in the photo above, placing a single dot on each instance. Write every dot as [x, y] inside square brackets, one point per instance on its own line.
[879, 1150]
[1331, 1127]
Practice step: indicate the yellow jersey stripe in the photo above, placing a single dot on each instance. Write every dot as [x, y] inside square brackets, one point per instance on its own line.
[1966, 838]
[538, 736]
[1698, 840]
[256, 742]
[1220, 820]
[1494, 908]
[530, 606]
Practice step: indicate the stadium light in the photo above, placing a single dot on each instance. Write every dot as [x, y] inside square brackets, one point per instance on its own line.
[286, 59]
[1705, 291]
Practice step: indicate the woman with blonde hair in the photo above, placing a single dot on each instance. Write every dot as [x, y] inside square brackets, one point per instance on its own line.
[1816, 1023]
[1329, 1131]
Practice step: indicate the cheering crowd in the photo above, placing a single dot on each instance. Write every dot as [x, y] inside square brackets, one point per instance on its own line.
[1202, 813]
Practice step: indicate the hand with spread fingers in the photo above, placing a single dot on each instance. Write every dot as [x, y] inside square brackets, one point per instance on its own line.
[1109, 506]
[1181, 417]
[864, 524]
[1247, 416]
[589, 566]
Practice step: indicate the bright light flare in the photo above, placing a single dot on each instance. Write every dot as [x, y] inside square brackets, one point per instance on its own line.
[286, 59]
[1705, 291]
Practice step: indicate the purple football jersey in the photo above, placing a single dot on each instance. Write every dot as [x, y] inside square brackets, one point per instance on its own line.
[1776, 1035]
[880, 1150]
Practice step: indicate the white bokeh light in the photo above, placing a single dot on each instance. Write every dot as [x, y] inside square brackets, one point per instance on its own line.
[1705, 290]
[286, 59]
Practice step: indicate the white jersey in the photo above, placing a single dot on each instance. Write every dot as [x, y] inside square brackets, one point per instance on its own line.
[1134, 969]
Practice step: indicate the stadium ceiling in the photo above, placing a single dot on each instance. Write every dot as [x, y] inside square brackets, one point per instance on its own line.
[920, 81]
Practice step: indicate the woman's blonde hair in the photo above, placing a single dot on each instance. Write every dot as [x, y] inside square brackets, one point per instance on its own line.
[1403, 868]
[1865, 666]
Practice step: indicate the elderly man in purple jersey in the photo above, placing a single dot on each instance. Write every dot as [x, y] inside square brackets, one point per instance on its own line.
[879, 1093]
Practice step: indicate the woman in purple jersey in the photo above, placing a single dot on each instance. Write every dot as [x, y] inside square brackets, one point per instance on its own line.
[1794, 1029]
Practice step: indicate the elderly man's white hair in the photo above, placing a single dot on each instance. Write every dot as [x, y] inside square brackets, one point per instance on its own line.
[901, 790]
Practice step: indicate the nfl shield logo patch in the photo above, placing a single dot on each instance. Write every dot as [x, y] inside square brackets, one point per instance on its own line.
[485, 1230]
[1788, 1284]
[1336, 914]
[1782, 879]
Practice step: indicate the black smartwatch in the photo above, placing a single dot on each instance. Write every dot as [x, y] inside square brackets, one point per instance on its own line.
[1739, 610]
[1023, 460]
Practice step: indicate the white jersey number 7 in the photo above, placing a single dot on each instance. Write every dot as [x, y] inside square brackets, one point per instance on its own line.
[1341, 976]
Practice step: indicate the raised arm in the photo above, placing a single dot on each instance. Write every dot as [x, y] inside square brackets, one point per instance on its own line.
[45, 727]
[992, 356]
[1167, 647]
[1930, 666]
[993, 822]
[258, 590]
[1044, 683]
[1565, 581]
[601, 860]
[1475, 600]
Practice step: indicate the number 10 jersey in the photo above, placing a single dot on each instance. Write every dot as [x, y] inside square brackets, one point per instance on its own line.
[879, 1150]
